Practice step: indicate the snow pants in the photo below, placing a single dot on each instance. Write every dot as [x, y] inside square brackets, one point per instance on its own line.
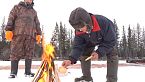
[14, 66]
[112, 67]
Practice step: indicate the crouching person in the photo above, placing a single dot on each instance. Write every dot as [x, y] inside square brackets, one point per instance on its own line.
[90, 31]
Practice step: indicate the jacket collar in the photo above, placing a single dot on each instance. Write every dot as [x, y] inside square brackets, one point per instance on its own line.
[96, 26]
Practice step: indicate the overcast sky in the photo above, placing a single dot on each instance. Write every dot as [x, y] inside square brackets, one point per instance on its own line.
[51, 11]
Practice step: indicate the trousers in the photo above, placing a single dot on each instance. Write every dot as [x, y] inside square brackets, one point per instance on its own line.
[112, 66]
[14, 66]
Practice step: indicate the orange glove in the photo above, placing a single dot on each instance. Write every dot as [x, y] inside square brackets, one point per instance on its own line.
[38, 38]
[9, 35]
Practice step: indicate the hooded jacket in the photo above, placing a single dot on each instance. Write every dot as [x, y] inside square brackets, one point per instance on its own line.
[102, 35]
[23, 20]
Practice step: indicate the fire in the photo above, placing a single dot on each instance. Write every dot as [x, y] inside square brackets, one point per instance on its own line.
[48, 54]
[47, 71]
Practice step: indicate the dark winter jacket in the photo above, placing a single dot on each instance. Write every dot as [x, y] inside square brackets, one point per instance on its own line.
[102, 35]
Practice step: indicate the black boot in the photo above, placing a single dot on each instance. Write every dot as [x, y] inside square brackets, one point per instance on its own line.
[14, 68]
[28, 63]
[12, 76]
[84, 79]
[30, 75]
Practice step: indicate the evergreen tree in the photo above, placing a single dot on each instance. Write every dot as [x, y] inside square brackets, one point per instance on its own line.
[134, 44]
[130, 48]
[143, 43]
[55, 41]
[61, 39]
[117, 37]
[124, 45]
[3, 30]
[68, 43]
[138, 40]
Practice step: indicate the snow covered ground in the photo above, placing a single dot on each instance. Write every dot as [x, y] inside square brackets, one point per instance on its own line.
[126, 72]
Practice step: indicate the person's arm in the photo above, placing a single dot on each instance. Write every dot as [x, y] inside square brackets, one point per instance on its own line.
[77, 48]
[108, 40]
[76, 52]
[11, 19]
[38, 29]
[10, 24]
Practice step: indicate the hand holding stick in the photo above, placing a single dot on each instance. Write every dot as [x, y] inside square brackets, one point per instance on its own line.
[88, 58]
[94, 56]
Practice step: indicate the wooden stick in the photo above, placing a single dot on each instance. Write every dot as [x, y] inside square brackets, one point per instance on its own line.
[88, 58]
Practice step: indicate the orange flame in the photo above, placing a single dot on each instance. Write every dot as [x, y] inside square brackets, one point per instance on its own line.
[47, 72]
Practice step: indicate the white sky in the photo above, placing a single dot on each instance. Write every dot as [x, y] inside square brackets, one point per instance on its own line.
[51, 11]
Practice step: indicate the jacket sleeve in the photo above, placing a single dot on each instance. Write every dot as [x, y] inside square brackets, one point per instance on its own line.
[11, 19]
[108, 39]
[38, 30]
[77, 48]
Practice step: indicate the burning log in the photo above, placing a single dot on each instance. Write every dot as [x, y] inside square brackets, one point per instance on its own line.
[47, 71]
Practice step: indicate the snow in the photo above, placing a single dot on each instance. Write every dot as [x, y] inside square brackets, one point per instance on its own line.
[130, 73]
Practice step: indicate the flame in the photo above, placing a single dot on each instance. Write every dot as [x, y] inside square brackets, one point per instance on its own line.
[47, 72]
[48, 54]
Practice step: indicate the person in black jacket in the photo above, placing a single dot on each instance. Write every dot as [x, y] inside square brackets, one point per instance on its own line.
[91, 31]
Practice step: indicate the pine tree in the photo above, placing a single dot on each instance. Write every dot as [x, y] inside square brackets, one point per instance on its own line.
[129, 42]
[124, 45]
[134, 44]
[61, 39]
[55, 41]
[143, 43]
[138, 40]
[3, 30]
[68, 43]
[117, 37]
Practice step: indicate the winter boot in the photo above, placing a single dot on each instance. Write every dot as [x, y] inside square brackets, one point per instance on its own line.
[28, 73]
[12, 76]
[84, 79]
[14, 68]
[86, 70]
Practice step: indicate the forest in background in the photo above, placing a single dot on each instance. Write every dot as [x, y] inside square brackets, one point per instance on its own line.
[130, 42]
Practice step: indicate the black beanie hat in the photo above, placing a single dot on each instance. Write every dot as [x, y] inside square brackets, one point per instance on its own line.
[78, 17]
